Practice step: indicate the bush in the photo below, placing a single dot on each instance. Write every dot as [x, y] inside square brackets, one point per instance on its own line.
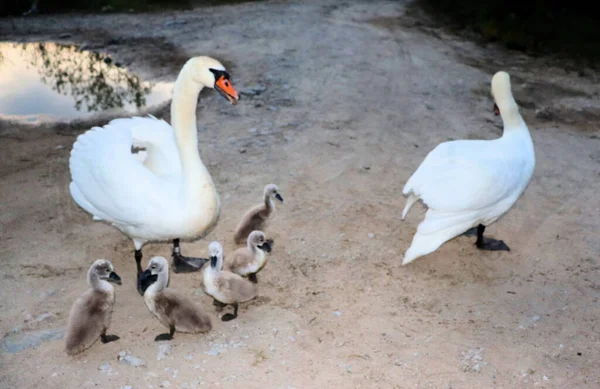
[549, 26]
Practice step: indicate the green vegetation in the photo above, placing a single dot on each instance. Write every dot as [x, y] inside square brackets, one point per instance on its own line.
[539, 27]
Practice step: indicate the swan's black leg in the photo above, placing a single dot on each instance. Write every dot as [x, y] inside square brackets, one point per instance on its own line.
[231, 316]
[252, 278]
[107, 338]
[168, 336]
[138, 262]
[183, 264]
[489, 244]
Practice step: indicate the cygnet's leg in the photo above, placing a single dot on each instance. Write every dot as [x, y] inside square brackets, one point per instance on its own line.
[231, 316]
[489, 244]
[138, 262]
[183, 264]
[107, 338]
[252, 278]
[168, 336]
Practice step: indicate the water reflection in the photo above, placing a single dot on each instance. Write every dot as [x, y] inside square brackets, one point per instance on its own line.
[62, 81]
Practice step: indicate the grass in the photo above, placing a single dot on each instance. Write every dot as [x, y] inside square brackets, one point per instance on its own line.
[568, 29]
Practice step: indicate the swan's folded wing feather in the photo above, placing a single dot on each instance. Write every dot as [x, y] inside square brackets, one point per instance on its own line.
[109, 178]
[455, 183]
[157, 137]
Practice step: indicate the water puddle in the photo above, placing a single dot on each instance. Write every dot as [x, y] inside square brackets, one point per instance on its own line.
[61, 82]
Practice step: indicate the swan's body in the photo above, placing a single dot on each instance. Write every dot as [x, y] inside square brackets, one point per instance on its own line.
[165, 192]
[469, 183]
[249, 260]
[257, 218]
[91, 313]
[173, 310]
[225, 287]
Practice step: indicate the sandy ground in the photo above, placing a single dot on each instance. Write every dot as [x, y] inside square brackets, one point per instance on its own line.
[357, 94]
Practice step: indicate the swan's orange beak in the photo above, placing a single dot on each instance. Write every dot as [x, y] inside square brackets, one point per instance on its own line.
[496, 110]
[223, 85]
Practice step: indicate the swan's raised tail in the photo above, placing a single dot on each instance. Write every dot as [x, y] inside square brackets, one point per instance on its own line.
[437, 228]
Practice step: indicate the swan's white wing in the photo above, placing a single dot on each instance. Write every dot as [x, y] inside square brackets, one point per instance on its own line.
[110, 183]
[157, 137]
[464, 176]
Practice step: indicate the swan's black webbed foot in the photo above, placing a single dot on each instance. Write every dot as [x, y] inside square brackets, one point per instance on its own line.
[489, 244]
[253, 278]
[138, 263]
[182, 264]
[230, 316]
[168, 336]
[108, 338]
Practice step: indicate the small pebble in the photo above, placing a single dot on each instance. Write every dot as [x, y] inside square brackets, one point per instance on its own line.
[536, 318]
[165, 384]
[337, 313]
[371, 235]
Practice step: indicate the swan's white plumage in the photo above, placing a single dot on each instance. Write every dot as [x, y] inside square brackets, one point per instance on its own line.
[162, 192]
[470, 182]
[110, 183]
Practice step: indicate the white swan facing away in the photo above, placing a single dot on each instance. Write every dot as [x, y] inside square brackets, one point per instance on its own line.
[167, 195]
[472, 183]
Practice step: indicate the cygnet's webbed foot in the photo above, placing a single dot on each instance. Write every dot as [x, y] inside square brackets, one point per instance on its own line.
[490, 244]
[161, 337]
[253, 278]
[230, 316]
[168, 336]
[108, 338]
[182, 264]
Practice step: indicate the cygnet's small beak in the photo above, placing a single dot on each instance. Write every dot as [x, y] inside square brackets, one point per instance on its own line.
[114, 278]
[496, 110]
[223, 85]
[265, 247]
[213, 261]
[278, 197]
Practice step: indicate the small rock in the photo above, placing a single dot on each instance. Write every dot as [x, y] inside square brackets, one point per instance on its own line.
[535, 318]
[371, 235]
[104, 368]
[17, 342]
[127, 387]
[130, 360]
[242, 150]
[367, 167]
[163, 351]
[165, 384]
[272, 108]
[59, 147]
[292, 339]
[337, 313]
[252, 130]
[189, 357]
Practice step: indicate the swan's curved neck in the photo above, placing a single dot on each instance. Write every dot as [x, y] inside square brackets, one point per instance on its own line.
[196, 178]
[510, 116]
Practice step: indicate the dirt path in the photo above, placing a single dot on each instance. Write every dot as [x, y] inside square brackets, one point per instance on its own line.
[356, 95]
